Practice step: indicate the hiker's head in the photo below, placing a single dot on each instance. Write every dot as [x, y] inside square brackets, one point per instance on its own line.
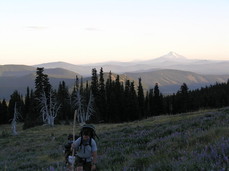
[87, 131]
[86, 134]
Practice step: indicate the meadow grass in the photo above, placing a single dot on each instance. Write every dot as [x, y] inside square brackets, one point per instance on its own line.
[189, 141]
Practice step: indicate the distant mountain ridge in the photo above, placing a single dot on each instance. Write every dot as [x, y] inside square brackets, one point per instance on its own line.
[15, 70]
[169, 71]
[171, 60]
[170, 80]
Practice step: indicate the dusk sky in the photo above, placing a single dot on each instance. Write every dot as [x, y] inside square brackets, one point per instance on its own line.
[90, 31]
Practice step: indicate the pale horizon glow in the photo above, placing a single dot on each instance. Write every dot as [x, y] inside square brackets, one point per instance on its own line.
[79, 32]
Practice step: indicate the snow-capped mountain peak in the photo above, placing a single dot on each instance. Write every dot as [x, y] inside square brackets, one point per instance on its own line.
[172, 55]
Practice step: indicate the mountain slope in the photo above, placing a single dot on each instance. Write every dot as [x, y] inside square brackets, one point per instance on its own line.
[60, 73]
[169, 80]
[20, 77]
[80, 69]
[188, 141]
[15, 70]
[170, 76]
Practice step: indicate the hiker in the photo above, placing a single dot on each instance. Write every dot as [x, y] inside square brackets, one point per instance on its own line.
[86, 149]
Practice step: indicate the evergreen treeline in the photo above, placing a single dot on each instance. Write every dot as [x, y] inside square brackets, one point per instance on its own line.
[114, 100]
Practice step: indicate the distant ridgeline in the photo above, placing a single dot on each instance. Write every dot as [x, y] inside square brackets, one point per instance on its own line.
[115, 99]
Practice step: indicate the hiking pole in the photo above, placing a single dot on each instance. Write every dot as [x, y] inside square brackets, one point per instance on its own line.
[71, 159]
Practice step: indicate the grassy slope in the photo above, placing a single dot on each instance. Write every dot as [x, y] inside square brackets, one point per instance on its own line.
[191, 141]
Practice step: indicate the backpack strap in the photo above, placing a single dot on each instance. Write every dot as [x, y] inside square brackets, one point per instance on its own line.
[81, 141]
[90, 141]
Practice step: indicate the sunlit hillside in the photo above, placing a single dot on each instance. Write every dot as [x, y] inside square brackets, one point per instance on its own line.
[189, 141]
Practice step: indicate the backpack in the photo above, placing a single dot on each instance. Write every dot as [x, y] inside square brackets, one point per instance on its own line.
[67, 147]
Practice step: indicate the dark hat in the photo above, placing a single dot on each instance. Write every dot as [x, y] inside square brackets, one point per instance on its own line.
[88, 129]
[88, 126]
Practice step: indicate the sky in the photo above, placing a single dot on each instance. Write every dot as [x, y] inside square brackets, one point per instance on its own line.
[91, 31]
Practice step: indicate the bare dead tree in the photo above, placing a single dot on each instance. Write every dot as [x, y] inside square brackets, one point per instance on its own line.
[43, 107]
[84, 112]
[14, 120]
[49, 110]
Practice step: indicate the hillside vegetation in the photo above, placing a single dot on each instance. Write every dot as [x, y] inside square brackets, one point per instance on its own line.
[189, 141]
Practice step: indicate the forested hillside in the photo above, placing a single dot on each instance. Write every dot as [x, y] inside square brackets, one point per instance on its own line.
[115, 100]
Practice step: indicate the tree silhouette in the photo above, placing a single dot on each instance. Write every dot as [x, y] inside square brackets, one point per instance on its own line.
[101, 96]
[15, 98]
[63, 98]
[4, 118]
[141, 99]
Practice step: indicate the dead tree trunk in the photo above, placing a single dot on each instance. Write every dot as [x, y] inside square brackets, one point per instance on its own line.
[14, 120]
[49, 110]
[84, 112]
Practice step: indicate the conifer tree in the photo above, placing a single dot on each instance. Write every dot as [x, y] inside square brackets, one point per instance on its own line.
[141, 99]
[102, 96]
[115, 99]
[127, 97]
[5, 112]
[183, 98]
[63, 99]
[81, 85]
[42, 86]
[73, 96]
[1, 113]
[151, 102]
[119, 99]
[31, 115]
[94, 82]
[108, 90]
[87, 90]
[134, 103]
[158, 101]
[76, 83]
[131, 102]
[15, 98]
[27, 103]
[95, 91]
[147, 105]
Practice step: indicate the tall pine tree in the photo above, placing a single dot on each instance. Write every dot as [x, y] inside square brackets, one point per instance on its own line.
[141, 99]
[102, 96]
[5, 112]
[63, 98]
[42, 86]
[95, 92]
[158, 101]
[31, 115]
[16, 98]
